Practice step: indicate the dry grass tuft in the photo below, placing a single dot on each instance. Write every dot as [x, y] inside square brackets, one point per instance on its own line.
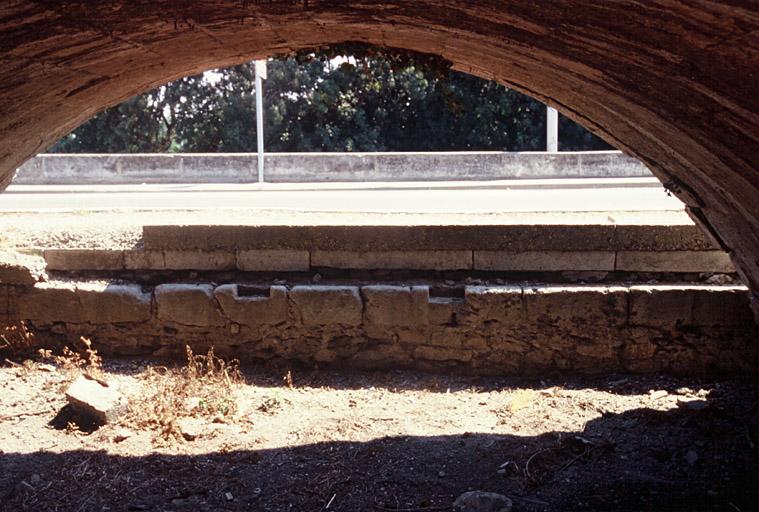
[203, 388]
[17, 340]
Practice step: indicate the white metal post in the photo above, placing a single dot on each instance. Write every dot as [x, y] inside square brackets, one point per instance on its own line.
[260, 73]
[552, 129]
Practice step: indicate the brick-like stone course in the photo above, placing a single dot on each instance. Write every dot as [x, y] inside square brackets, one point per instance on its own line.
[267, 306]
[526, 328]
[327, 305]
[188, 304]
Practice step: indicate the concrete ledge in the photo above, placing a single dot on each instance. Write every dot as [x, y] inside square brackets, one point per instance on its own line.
[51, 169]
[384, 238]
[674, 261]
[403, 260]
[543, 260]
[83, 259]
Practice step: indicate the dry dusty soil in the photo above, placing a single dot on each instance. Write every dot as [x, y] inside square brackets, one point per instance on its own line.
[394, 441]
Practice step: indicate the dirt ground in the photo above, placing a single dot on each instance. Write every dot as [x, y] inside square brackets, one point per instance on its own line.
[342, 441]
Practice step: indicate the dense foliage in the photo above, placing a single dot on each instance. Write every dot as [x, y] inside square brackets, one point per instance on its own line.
[346, 98]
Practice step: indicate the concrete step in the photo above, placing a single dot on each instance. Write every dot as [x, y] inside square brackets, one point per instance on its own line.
[516, 328]
[513, 248]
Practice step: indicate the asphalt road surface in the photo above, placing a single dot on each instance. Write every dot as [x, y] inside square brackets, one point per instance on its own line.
[570, 195]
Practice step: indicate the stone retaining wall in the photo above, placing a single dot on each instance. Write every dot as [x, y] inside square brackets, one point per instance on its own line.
[508, 329]
[79, 169]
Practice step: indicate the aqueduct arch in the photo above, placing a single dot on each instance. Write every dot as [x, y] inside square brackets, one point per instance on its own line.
[673, 82]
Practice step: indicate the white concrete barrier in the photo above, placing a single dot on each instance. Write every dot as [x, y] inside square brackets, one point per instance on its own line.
[70, 169]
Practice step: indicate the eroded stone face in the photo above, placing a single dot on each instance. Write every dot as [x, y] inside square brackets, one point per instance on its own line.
[491, 329]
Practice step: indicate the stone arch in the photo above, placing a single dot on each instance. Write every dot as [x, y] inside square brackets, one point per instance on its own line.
[672, 82]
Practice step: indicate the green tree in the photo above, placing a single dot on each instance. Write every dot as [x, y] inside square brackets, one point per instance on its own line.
[345, 98]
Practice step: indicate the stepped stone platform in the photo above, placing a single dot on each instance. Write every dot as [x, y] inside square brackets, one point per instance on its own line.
[486, 248]
[482, 328]
[483, 299]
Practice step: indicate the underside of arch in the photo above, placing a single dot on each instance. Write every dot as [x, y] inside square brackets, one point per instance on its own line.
[672, 82]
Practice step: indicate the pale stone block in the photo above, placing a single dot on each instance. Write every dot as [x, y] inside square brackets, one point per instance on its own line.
[389, 260]
[105, 303]
[51, 302]
[188, 304]
[599, 305]
[674, 261]
[103, 403]
[327, 305]
[199, 260]
[144, 260]
[544, 261]
[666, 306]
[21, 269]
[401, 306]
[273, 260]
[248, 305]
[84, 259]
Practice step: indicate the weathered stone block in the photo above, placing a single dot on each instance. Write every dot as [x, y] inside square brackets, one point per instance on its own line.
[102, 403]
[199, 260]
[406, 260]
[249, 305]
[661, 306]
[401, 306]
[273, 260]
[105, 303]
[674, 261]
[21, 269]
[326, 305]
[592, 305]
[188, 304]
[722, 305]
[144, 260]
[494, 303]
[84, 259]
[51, 302]
[543, 260]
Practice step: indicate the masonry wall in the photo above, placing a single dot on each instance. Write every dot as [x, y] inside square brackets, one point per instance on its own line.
[507, 329]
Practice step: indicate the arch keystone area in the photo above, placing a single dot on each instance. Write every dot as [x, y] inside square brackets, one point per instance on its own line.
[671, 82]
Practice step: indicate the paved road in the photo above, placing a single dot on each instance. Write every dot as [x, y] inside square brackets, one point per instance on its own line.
[573, 195]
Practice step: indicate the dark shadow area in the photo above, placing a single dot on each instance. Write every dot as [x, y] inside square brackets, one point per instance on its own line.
[678, 460]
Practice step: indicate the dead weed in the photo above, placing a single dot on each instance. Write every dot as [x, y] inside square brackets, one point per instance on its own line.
[203, 388]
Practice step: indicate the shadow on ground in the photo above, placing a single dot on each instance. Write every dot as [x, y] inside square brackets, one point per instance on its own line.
[676, 460]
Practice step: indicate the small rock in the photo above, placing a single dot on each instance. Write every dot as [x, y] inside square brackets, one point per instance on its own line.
[44, 367]
[656, 395]
[481, 501]
[228, 496]
[691, 457]
[121, 434]
[190, 428]
[441, 474]
[192, 403]
[90, 397]
[35, 479]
